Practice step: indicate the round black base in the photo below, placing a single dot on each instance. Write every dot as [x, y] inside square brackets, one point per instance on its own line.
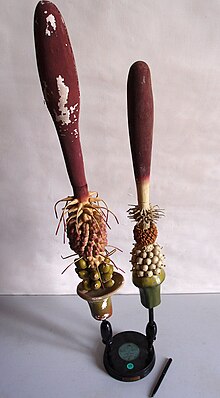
[128, 357]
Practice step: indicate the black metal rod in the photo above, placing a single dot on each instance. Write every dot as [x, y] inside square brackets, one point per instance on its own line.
[106, 333]
[151, 315]
[151, 329]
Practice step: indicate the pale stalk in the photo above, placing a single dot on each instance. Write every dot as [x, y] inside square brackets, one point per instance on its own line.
[143, 194]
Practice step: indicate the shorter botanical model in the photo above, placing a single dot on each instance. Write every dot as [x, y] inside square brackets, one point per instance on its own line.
[84, 214]
[147, 257]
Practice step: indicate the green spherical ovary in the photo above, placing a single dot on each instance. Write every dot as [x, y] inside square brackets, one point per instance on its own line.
[81, 264]
[106, 277]
[109, 283]
[104, 268]
[96, 285]
[86, 284]
[94, 275]
[83, 274]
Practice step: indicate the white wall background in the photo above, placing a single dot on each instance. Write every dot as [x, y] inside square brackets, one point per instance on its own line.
[180, 41]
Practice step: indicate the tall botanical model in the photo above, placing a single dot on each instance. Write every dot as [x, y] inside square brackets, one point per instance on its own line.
[84, 214]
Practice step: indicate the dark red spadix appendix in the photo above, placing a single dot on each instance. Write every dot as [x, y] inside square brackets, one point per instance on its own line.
[59, 81]
[140, 119]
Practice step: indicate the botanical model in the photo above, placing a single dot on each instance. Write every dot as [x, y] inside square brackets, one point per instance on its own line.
[147, 258]
[84, 214]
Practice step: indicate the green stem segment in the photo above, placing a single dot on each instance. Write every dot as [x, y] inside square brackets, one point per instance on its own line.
[150, 289]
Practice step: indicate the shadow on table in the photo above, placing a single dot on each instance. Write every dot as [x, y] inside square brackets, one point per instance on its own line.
[54, 324]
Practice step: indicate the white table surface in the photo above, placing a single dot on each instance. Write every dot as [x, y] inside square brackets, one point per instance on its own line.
[51, 347]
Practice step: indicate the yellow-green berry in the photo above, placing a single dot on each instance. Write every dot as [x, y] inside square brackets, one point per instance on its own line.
[106, 277]
[104, 268]
[96, 285]
[86, 284]
[94, 275]
[109, 283]
[81, 264]
[83, 274]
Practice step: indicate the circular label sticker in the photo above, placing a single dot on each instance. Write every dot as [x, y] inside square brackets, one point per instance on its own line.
[128, 351]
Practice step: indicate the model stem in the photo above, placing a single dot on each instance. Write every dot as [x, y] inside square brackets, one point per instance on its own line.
[143, 193]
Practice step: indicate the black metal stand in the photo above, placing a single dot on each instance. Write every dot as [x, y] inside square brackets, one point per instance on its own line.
[129, 356]
[151, 329]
